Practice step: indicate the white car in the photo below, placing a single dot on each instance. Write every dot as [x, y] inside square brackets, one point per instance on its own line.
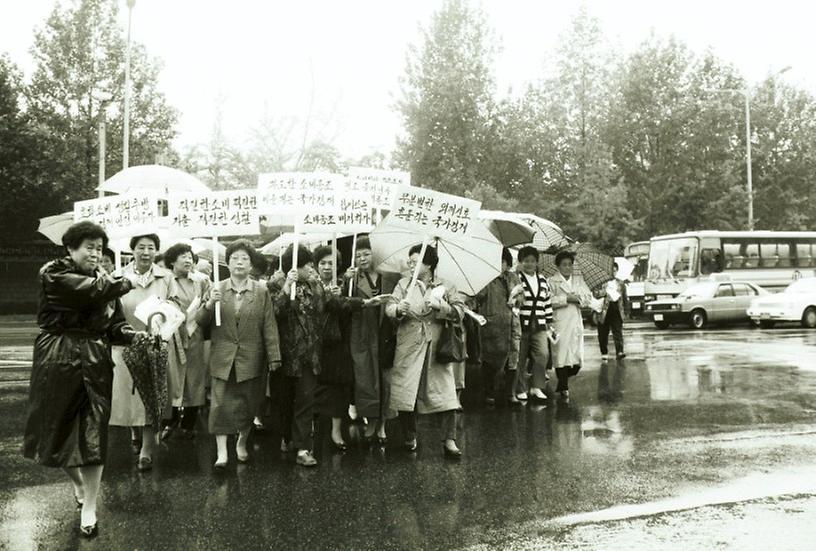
[796, 303]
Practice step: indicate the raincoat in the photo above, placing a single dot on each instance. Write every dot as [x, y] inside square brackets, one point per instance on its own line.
[69, 405]
[501, 334]
[567, 320]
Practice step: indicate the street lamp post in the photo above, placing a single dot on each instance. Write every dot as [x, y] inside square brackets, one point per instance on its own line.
[746, 94]
[126, 111]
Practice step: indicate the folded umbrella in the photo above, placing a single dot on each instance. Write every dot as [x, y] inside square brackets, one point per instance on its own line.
[469, 264]
[508, 228]
[146, 359]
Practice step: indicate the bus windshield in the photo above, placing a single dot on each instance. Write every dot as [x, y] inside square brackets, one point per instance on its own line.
[673, 258]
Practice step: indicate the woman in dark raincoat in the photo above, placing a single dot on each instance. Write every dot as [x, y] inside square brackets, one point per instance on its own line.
[69, 404]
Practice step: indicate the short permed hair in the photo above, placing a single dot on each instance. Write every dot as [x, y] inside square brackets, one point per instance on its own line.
[172, 254]
[431, 258]
[240, 245]
[323, 251]
[304, 257]
[152, 236]
[528, 251]
[79, 232]
[564, 255]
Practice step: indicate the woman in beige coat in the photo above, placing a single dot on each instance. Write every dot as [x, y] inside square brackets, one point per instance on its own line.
[419, 384]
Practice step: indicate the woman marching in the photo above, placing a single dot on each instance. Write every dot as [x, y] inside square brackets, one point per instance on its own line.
[69, 404]
[127, 409]
[419, 383]
[243, 347]
[310, 345]
[367, 350]
[186, 371]
[569, 294]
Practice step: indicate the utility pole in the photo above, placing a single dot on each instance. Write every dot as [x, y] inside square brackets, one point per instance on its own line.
[126, 125]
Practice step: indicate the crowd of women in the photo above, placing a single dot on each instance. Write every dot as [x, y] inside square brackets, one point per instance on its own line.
[366, 345]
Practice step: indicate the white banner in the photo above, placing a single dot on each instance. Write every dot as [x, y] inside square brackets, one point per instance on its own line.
[214, 213]
[298, 192]
[352, 215]
[434, 213]
[380, 184]
[121, 215]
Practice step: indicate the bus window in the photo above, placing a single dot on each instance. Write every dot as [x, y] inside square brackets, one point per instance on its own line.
[804, 258]
[784, 252]
[768, 255]
[673, 258]
[711, 261]
[751, 253]
[734, 260]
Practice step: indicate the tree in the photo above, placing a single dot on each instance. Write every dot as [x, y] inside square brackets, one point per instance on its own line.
[26, 194]
[447, 104]
[78, 81]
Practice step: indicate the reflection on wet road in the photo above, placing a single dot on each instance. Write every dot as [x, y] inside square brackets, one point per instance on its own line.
[691, 433]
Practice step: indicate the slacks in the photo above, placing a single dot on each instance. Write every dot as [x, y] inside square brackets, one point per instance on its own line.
[614, 322]
[408, 422]
[534, 350]
[297, 409]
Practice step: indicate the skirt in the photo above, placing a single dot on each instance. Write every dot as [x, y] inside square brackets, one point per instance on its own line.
[332, 400]
[233, 405]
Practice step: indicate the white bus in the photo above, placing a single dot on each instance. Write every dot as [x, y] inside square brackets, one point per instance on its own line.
[770, 259]
[638, 255]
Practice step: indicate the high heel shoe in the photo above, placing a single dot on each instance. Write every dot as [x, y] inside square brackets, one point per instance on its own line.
[382, 441]
[89, 532]
[455, 453]
[220, 467]
[79, 503]
[411, 445]
[339, 446]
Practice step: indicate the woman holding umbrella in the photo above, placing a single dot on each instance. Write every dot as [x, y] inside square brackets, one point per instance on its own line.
[70, 398]
[569, 294]
[419, 383]
[127, 409]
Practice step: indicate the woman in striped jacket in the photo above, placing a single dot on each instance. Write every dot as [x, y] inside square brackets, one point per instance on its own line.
[536, 318]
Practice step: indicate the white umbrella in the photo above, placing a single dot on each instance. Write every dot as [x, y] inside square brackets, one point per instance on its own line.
[625, 268]
[163, 179]
[54, 227]
[469, 264]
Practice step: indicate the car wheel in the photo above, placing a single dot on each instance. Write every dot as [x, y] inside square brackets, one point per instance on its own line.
[809, 318]
[767, 324]
[698, 319]
[662, 324]
[754, 324]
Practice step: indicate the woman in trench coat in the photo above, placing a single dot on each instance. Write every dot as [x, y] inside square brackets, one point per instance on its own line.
[419, 384]
[569, 294]
[127, 409]
[186, 371]
[69, 404]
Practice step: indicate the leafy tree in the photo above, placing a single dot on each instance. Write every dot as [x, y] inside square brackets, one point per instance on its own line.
[79, 80]
[447, 104]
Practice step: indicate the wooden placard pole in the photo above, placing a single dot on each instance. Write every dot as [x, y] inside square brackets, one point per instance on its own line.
[215, 281]
[295, 245]
[415, 276]
[334, 259]
[353, 258]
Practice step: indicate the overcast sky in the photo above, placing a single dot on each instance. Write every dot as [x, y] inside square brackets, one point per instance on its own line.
[257, 53]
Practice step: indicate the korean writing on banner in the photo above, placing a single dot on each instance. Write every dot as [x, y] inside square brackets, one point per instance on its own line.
[121, 215]
[214, 213]
[380, 184]
[434, 213]
[297, 192]
[351, 215]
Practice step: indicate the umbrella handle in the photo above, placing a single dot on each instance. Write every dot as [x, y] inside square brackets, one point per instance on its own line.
[150, 320]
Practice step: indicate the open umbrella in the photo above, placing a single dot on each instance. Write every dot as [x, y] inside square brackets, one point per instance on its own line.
[274, 247]
[469, 264]
[54, 227]
[508, 228]
[548, 236]
[163, 179]
[592, 265]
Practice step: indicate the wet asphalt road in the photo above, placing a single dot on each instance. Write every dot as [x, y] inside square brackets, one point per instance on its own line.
[698, 440]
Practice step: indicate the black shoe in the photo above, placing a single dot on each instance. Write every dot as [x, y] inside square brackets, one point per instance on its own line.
[411, 445]
[167, 432]
[621, 355]
[338, 446]
[136, 446]
[89, 532]
[145, 464]
[452, 454]
[220, 468]
[382, 441]
[79, 504]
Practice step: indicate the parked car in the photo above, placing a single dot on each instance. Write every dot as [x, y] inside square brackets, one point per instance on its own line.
[706, 303]
[796, 303]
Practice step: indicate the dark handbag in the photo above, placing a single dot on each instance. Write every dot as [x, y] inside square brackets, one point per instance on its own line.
[451, 345]
[388, 343]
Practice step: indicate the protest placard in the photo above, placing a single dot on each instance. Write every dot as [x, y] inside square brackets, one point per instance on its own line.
[291, 193]
[352, 214]
[433, 213]
[214, 213]
[380, 184]
[121, 215]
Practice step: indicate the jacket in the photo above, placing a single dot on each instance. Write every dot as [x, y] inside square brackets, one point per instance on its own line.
[246, 341]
